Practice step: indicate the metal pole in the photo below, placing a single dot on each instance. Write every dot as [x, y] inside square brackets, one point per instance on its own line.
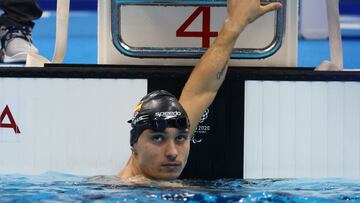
[62, 27]
[335, 40]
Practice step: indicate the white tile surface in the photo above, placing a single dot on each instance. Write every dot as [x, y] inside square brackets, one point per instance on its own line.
[74, 126]
[302, 129]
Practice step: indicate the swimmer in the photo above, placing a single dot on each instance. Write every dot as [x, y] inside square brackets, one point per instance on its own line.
[162, 126]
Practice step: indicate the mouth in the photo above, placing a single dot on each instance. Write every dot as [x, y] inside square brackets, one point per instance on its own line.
[171, 167]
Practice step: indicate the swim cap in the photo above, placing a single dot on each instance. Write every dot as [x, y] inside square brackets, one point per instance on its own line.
[158, 110]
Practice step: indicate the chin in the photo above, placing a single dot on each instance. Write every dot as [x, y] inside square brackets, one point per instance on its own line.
[170, 176]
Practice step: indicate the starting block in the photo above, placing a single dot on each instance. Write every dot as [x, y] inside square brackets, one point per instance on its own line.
[178, 32]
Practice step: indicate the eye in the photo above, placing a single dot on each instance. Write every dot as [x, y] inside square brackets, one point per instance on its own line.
[157, 138]
[181, 137]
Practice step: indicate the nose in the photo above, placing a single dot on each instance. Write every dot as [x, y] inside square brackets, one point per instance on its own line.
[171, 152]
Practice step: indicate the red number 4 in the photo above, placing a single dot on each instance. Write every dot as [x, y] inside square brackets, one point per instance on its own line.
[206, 34]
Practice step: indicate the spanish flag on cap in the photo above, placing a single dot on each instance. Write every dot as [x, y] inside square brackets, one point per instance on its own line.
[138, 107]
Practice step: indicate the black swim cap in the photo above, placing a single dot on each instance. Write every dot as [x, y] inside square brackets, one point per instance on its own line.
[157, 111]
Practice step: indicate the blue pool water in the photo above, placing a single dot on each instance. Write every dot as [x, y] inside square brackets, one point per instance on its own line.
[57, 187]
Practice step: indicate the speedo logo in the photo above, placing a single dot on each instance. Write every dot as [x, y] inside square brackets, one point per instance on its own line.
[168, 114]
[140, 118]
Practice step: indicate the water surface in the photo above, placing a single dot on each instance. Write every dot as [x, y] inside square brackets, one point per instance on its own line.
[58, 187]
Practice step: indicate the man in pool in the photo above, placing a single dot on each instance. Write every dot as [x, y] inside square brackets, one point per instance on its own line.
[162, 126]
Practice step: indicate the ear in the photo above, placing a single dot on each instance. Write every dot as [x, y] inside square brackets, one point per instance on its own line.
[133, 150]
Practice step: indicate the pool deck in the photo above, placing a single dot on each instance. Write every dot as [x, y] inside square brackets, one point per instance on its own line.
[82, 43]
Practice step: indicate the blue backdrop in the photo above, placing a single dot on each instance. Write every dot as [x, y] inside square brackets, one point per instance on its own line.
[346, 6]
[350, 7]
[74, 4]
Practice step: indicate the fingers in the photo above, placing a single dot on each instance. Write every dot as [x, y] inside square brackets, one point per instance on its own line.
[271, 7]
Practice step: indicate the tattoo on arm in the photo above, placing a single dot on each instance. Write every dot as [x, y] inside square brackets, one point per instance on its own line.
[220, 73]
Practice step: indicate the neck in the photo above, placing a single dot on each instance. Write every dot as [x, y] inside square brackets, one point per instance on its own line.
[130, 170]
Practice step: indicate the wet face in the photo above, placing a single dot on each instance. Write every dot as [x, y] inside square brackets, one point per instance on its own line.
[162, 155]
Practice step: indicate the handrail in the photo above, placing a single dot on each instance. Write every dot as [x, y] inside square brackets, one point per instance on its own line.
[61, 38]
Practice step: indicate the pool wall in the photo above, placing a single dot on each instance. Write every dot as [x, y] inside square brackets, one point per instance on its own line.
[71, 125]
[302, 129]
[264, 123]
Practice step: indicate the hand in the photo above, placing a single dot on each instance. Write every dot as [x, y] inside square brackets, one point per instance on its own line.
[243, 12]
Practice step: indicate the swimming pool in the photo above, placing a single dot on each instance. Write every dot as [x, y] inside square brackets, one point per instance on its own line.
[59, 187]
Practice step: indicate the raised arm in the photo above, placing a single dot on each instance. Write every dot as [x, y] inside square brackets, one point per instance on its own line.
[208, 75]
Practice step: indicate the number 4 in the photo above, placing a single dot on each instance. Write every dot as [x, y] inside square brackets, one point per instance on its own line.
[206, 34]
